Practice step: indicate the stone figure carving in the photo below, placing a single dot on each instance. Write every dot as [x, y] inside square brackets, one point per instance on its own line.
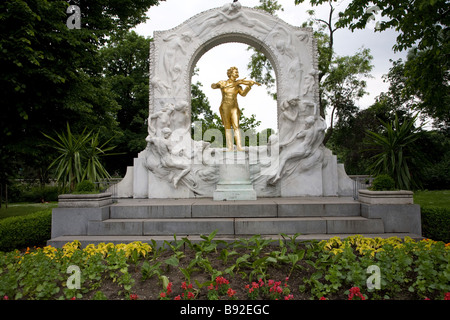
[175, 49]
[229, 108]
[180, 117]
[160, 120]
[173, 163]
[284, 44]
[229, 12]
[311, 137]
[160, 86]
[310, 80]
[288, 117]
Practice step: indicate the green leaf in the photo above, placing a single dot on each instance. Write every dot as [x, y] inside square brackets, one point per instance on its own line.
[172, 261]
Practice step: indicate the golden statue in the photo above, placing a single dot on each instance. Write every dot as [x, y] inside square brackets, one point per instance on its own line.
[229, 108]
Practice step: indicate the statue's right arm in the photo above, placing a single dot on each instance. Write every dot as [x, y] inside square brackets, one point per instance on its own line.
[217, 85]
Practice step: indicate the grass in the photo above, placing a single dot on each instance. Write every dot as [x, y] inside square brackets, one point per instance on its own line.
[21, 209]
[439, 198]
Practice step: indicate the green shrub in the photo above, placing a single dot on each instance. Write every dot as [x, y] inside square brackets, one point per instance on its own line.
[383, 182]
[85, 186]
[435, 223]
[40, 194]
[437, 176]
[25, 231]
[21, 192]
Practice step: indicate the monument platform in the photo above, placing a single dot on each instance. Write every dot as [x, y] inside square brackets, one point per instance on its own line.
[145, 220]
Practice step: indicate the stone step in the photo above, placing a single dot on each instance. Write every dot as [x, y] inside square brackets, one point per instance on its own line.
[207, 208]
[58, 242]
[235, 226]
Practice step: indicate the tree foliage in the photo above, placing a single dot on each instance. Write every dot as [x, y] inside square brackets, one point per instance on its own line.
[345, 84]
[78, 157]
[423, 28]
[396, 154]
[52, 75]
[341, 78]
[126, 72]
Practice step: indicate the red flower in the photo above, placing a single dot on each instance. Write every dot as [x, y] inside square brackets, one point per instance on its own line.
[190, 295]
[5, 297]
[447, 296]
[169, 288]
[231, 292]
[177, 297]
[162, 295]
[222, 280]
[355, 291]
[133, 296]
[323, 298]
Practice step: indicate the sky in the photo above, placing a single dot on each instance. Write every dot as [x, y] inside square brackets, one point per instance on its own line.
[214, 63]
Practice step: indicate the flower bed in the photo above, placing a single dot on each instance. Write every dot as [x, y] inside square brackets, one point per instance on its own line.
[252, 269]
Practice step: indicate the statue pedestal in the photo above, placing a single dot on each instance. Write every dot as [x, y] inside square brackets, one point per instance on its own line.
[234, 182]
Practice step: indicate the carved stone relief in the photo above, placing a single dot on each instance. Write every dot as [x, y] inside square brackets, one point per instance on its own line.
[182, 167]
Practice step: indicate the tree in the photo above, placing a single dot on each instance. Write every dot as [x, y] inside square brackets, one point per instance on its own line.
[51, 74]
[348, 139]
[126, 72]
[423, 28]
[344, 85]
[427, 79]
[78, 158]
[340, 78]
[325, 35]
[396, 154]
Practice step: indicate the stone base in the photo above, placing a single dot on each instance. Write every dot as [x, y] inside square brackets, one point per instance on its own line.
[160, 219]
[386, 197]
[322, 178]
[84, 200]
[234, 191]
[234, 183]
[396, 217]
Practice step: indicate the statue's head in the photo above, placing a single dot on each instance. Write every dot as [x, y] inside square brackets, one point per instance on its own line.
[166, 132]
[233, 72]
[310, 121]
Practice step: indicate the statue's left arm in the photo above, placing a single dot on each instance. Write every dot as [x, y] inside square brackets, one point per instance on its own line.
[243, 92]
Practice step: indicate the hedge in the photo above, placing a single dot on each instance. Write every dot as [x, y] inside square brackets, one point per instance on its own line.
[435, 223]
[25, 231]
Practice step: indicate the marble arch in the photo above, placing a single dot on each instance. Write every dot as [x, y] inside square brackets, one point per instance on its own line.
[291, 50]
[175, 166]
